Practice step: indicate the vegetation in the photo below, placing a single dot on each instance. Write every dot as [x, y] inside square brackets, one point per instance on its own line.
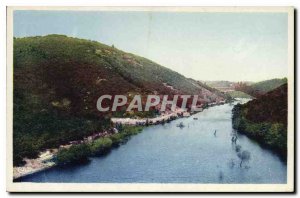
[100, 146]
[81, 152]
[260, 88]
[226, 96]
[58, 80]
[268, 85]
[265, 119]
[122, 113]
[245, 89]
[221, 83]
[117, 139]
[75, 154]
[239, 94]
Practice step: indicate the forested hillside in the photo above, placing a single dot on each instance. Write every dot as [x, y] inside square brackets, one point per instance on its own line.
[265, 119]
[58, 79]
[260, 88]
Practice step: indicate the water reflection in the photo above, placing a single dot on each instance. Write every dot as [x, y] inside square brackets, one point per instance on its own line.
[201, 152]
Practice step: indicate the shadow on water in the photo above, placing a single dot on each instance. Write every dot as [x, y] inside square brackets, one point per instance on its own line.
[63, 168]
[282, 158]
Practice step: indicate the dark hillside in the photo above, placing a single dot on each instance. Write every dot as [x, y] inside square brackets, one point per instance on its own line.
[271, 107]
[265, 119]
[58, 79]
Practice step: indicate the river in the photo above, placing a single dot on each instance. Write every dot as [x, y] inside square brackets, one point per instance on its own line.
[169, 154]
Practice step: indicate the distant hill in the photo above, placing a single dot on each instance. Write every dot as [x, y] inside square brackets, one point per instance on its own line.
[265, 119]
[268, 85]
[221, 83]
[211, 89]
[225, 86]
[260, 88]
[58, 79]
[238, 94]
[252, 89]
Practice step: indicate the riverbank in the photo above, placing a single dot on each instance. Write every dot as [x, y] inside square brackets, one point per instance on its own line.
[272, 135]
[43, 162]
[169, 154]
[95, 144]
[47, 159]
[163, 117]
[264, 119]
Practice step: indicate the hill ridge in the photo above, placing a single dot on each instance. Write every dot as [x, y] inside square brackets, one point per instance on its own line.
[58, 80]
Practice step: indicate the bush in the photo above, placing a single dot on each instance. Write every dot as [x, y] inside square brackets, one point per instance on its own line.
[276, 137]
[75, 154]
[80, 153]
[100, 146]
[131, 130]
[116, 138]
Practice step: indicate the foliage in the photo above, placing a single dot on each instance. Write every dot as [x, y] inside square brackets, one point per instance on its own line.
[265, 119]
[260, 88]
[75, 154]
[117, 138]
[100, 145]
[58, 80]
[81, 152]
[220, 83]
[268, 85]
[238, 94]
[214, 90]
[131, 130]
[122, 113]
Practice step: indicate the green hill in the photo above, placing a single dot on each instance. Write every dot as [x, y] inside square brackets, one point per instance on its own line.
[58, 79]
[221, 83]
[238, 94]
[227, 87]
[260, 88]
[268, 85]
[265, 119]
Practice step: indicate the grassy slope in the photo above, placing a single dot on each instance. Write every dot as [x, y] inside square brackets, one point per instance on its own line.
[260, 88]
[268, 85]
[238, 94]
[58, 79]
[249, 88]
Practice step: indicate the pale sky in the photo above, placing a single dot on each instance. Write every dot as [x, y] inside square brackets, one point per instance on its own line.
[203, 46]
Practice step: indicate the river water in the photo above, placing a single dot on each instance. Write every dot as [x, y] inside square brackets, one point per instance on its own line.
[169, 154]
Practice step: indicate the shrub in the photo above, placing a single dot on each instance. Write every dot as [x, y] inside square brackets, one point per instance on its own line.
[116, 138]
[100, 146]
[75, 154]
[131, 130]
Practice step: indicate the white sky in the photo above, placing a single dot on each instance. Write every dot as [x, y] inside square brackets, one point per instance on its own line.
[203, 46]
